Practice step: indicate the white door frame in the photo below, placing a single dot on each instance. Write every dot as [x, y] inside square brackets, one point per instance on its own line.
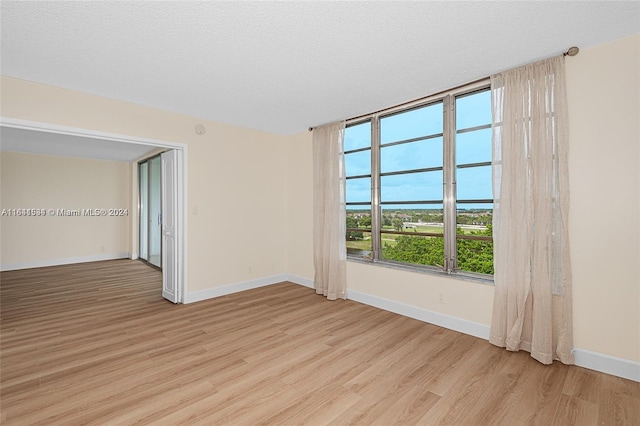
[181, 199]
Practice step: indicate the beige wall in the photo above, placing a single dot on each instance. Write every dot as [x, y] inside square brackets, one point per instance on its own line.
[236, 196]
[604, 96]
[299, 190]
[603, 85]
[50, 182]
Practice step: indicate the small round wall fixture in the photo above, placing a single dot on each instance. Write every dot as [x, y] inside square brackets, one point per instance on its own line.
[573, 51]
[200, 129]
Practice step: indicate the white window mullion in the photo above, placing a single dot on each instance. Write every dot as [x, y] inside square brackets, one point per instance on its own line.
[376, 213]
[449, 187]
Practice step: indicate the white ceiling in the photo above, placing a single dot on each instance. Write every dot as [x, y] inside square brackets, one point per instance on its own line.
[281, 67]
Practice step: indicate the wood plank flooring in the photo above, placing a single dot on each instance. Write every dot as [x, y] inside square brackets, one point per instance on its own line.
[96, 344]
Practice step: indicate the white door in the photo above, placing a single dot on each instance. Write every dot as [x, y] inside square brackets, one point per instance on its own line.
[170, 264]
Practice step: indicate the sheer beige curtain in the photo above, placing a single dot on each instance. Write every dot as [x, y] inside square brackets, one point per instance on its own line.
[532, 305]
[329, 216]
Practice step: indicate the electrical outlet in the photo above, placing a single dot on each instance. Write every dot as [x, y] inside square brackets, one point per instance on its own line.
[441, 298]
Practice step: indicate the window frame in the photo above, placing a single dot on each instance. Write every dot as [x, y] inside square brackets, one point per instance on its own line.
[449, 168]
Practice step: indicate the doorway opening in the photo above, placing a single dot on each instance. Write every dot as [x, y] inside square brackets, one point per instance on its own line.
[173, 164]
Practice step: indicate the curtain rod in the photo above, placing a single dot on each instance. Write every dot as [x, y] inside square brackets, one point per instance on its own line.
[409, 102]
[572, 51]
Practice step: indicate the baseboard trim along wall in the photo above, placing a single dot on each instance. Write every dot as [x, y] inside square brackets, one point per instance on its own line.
[210, 293]
[296, 279]
[592, 360]
[425, 315]
[446, 321]
[608, 364]
[583, 358]
[66, 261]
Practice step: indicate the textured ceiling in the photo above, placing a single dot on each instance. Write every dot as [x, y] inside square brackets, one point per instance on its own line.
[281, 67]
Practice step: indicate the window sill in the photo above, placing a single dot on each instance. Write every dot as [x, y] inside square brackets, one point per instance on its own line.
[423, 270]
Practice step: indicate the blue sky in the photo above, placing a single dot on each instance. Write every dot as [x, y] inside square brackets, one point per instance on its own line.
[471, 147]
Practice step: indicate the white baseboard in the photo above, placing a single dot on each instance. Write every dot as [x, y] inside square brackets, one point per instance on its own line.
[607, 364]
[65, 261]
[296, 279]
[210, 293]
[436, 318]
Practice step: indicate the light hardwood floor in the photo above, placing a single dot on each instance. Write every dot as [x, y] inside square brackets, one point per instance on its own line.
[96, 344]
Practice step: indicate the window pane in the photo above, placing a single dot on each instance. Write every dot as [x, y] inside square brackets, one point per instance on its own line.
[413, 155]
[473, 110]
[359, 242]
[473, 147]
[474, 220]
[413, 218]
[413, 249]
[414, 123]
[474, 183]
[358, 136]
[358, 163]
[431, 218]
[417, 212]
[474, 217]
[424, 186]
[358, 190]
[475, 255]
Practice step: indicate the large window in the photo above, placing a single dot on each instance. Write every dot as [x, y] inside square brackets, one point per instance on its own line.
[418, 184]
